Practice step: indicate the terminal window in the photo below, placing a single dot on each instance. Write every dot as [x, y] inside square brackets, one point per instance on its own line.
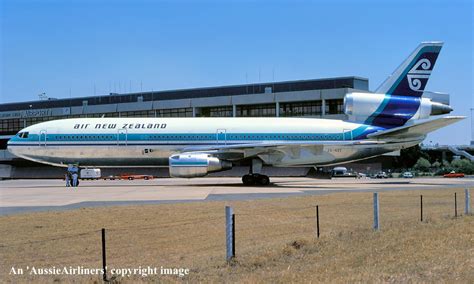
[221, 111]
[11, 125]
[141, 113]
[334, 106]
[256, 110]
[310, 108]
[175, 112]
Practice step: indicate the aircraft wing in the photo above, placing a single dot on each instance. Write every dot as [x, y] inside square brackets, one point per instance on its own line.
[417, 129]
[245, 150]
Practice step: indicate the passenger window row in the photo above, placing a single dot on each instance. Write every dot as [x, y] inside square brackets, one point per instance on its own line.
[194, 137]
[85, 137]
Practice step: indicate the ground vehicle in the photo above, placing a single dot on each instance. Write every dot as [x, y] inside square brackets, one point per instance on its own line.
[381, 175]
[453, 174]
[111, 177]
[132, 177]
[407, 175]
[90, 174]
[339, 171]
[362, 175]
[342, 172]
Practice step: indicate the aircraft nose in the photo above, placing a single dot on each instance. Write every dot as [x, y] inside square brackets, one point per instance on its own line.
[10, 144]
[9, 147]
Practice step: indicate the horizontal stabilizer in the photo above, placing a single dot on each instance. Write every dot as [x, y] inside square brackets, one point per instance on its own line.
[416, 129]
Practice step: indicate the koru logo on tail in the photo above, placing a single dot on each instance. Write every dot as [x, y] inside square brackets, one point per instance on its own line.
[421, 70]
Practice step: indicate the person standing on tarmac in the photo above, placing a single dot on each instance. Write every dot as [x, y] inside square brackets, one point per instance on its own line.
[74, 179]
[68, 180]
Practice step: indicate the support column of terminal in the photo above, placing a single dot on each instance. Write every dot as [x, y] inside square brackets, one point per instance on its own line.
[277, 110]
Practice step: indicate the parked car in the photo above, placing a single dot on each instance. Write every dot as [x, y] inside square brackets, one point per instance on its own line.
[407, 175]
[111, 177]
[362, 175]
[132, 177]
[453, 174]
[382, 175]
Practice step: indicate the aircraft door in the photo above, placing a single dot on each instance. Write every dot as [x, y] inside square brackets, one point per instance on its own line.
[221, 136]
[42, 138]
[122, 137]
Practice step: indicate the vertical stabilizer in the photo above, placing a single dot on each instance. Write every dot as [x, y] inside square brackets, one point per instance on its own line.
[411, 77]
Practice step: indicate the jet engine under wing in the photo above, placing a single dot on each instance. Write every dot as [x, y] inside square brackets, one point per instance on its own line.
[414, 130]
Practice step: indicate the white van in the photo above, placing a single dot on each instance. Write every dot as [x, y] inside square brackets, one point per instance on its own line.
[339, 171]
[90, 174]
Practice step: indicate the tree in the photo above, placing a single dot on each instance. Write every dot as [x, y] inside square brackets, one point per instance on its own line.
[422, 165]
[463, 166]
[436, 165]
[409, 156]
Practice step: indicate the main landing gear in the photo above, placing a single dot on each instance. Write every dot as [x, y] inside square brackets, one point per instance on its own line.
[254, 177]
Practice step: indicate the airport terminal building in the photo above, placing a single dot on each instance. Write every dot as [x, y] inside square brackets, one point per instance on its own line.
[318, 98]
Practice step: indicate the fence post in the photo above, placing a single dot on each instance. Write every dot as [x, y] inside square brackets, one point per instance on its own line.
[229, 228]
[467, 206]
[317, 221]
[421, 208]
[233, 235]
[455, 206]
[376, 211]
[104, 258]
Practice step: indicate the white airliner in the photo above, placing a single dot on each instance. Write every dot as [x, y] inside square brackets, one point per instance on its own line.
[396, 116]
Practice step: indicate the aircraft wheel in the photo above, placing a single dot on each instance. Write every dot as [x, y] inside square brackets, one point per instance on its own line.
[263, 180]
[248, 180]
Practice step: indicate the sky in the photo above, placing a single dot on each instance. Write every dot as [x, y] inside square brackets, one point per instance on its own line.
[83, 48]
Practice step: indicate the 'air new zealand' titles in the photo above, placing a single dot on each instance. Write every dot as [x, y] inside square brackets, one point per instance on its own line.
[396, 116]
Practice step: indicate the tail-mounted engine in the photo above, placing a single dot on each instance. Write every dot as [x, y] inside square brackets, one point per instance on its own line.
[359, 106]
[196, 165]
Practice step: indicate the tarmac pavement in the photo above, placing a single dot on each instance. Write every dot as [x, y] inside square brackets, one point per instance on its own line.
[20, 196]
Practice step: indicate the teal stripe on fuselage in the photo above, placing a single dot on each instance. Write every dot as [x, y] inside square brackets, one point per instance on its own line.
[179, 137]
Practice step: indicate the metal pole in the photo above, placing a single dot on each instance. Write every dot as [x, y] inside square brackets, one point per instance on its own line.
[421, 208]
[376, 211]
[229, 236]
[317, 220]
[233, 235]
[104, 258]
[455, 206]
[467, 206]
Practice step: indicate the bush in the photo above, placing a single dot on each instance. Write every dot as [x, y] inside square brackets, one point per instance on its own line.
[422, 165]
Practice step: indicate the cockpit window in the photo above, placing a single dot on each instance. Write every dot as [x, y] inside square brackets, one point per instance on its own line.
[23, 134]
